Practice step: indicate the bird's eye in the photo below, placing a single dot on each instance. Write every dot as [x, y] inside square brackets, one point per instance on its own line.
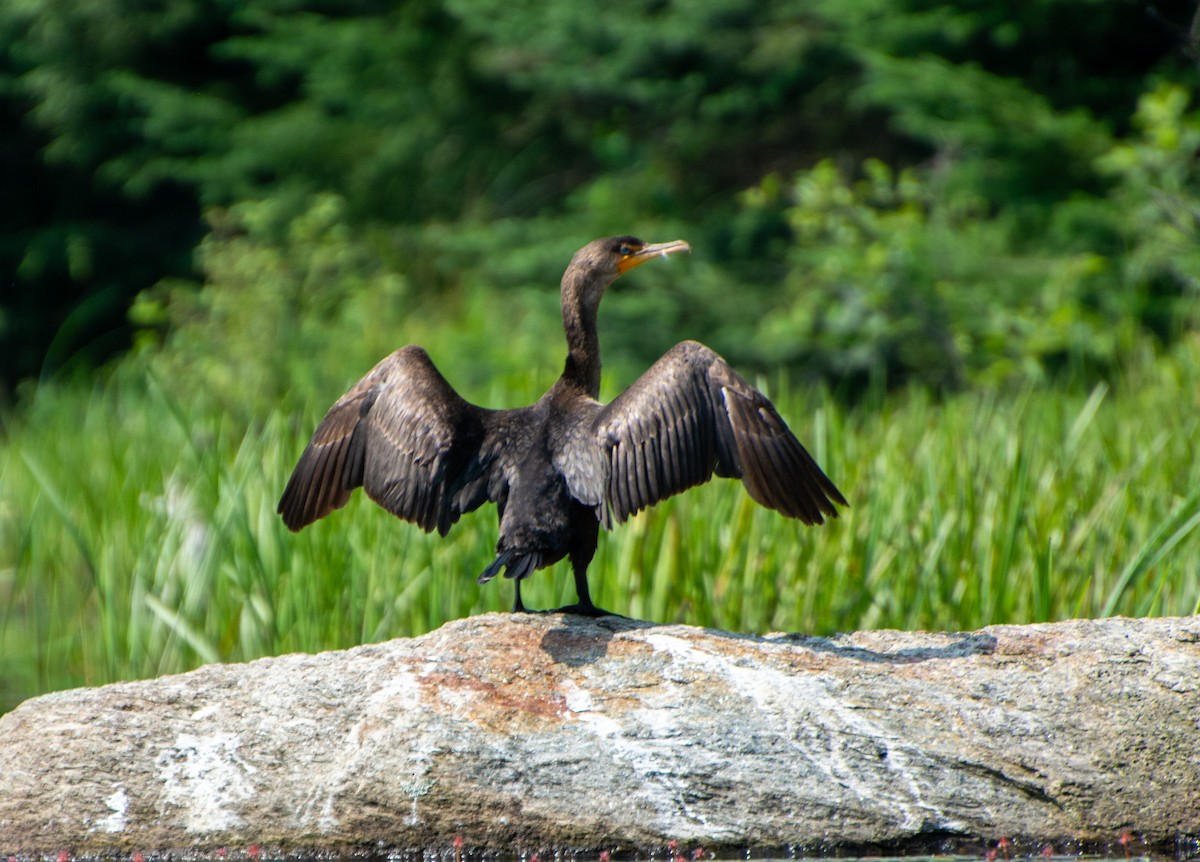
[623, 249]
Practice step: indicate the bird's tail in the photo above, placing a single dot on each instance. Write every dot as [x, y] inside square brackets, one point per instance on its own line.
[520, 566]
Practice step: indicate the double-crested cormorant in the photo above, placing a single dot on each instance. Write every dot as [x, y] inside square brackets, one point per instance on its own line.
[560, 468]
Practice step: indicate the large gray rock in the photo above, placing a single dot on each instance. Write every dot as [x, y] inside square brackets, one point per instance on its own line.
[536, 731]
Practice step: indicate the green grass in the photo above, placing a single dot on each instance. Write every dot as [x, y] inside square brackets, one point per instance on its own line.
[138, 534]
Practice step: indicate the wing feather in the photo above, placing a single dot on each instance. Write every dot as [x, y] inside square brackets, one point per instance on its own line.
[622, 477]
[669, 449]
[406, 437]
[645, 486]
[690, 416]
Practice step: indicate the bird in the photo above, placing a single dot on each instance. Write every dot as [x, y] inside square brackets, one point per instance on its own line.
[562, 468]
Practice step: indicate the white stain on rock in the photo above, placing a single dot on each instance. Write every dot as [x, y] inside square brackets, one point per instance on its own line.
[118, 804]
[205, 781]
[393, 711]
[828, 735]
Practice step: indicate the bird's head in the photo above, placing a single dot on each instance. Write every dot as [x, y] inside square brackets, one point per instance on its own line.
[601, 262]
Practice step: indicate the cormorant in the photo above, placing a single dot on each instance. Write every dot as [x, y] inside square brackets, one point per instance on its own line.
[558, 469]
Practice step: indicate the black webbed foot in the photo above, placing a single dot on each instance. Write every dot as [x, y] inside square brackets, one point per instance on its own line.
[584, 610]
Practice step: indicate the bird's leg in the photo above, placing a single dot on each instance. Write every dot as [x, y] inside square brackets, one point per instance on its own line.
[518, 605]
[584, 607]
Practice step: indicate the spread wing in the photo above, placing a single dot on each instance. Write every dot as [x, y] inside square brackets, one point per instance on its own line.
[406, 437]
[691, 415]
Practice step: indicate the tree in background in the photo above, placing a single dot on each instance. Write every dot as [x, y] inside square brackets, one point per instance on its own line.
[993, 131]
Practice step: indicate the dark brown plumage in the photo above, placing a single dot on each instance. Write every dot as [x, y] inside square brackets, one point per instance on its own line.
[560, 468]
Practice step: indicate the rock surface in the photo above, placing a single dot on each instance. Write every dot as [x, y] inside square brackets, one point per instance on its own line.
[538, 731]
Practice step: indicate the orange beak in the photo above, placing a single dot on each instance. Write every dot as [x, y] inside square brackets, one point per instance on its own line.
[649, 252]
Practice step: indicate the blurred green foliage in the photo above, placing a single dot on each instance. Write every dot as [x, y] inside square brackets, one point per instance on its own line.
[138, 533]
[904, 275]
[1000, 126]
[878, 277]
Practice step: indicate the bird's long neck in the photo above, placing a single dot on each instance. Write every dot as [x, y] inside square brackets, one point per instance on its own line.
[583, 344]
